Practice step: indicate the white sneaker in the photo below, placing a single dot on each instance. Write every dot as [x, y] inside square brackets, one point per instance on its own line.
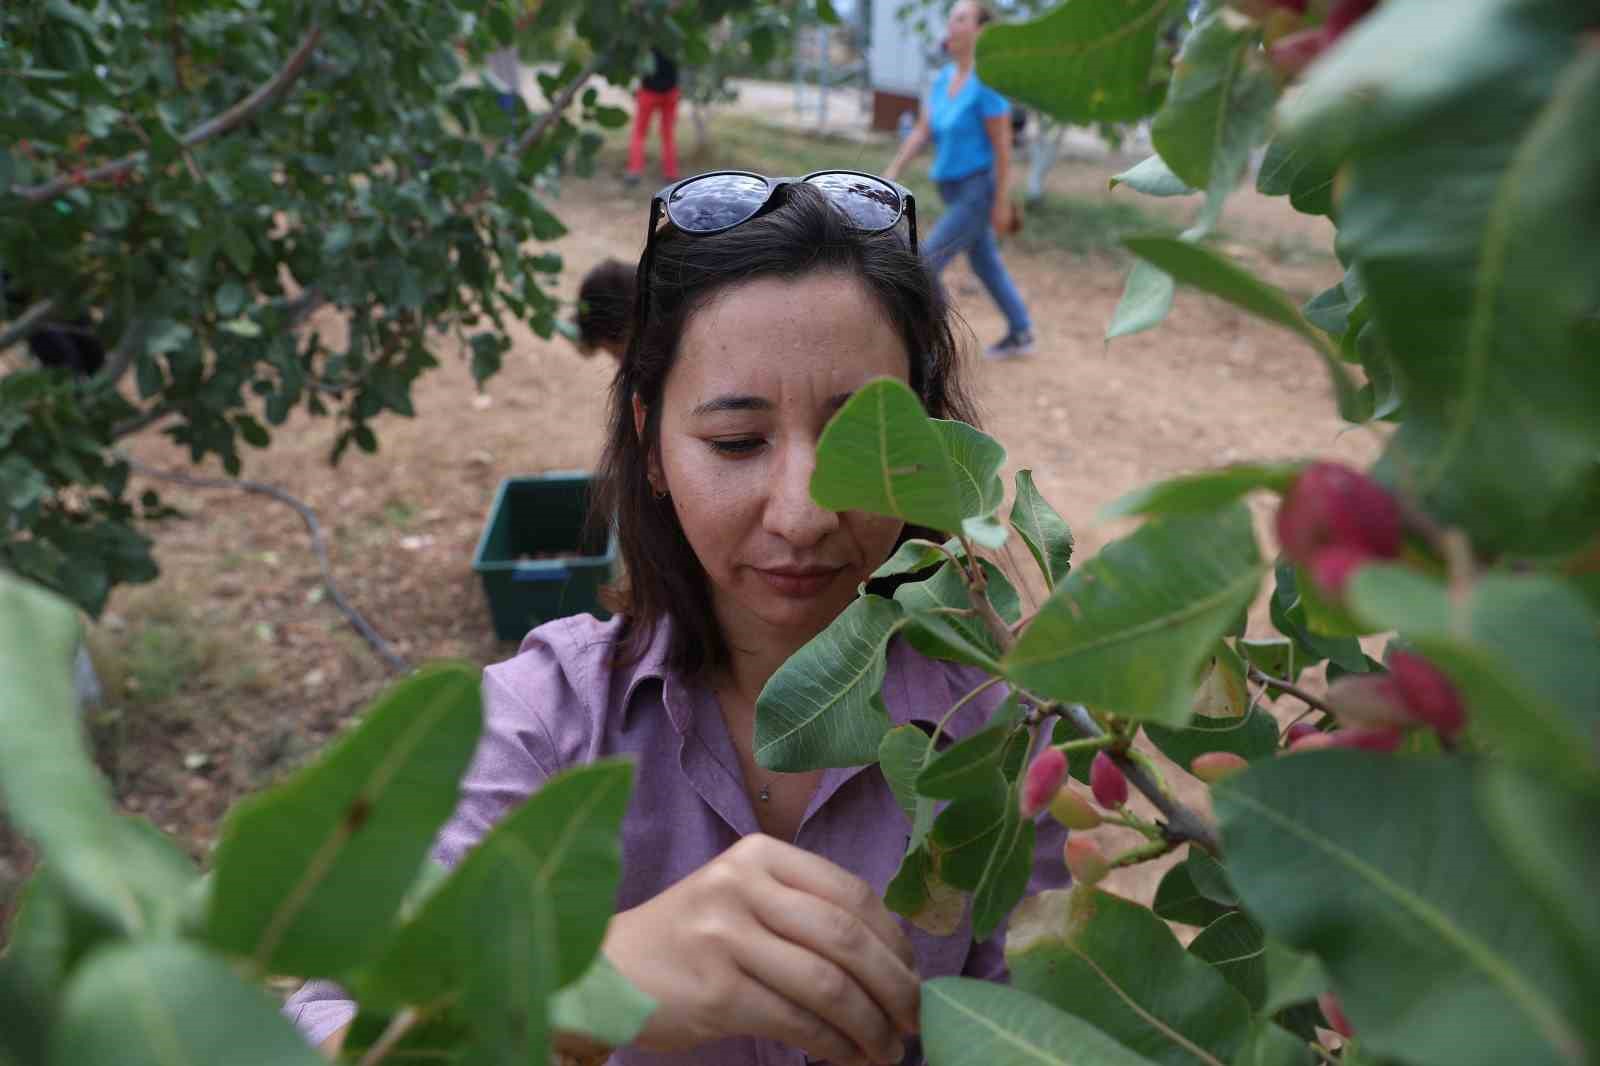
[1011, 346]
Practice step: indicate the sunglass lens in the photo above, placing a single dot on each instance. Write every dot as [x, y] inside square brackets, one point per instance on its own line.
[715, 202]
[869, 203]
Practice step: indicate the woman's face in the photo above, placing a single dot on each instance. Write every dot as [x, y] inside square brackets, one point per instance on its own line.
[760, 370]
[961, 30]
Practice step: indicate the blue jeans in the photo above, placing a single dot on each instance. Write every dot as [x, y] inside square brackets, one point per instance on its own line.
[965, 227]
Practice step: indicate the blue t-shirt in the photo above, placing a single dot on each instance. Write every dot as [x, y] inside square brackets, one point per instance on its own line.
[961, 143]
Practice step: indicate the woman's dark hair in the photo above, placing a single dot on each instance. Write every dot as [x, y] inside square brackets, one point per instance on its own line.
[802, 236]
[605, 306]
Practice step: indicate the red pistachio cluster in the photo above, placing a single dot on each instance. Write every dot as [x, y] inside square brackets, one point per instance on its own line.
[1413, 693]
[1376, 710]
[1109, 787]
[1333, 1011]
[1362, 738]
[1073, 811]
[1213, 766]
[1045, 785]
[1045, 775]
[1335, 520]
[1085, 861]
[1294, 52]
[1332, 522]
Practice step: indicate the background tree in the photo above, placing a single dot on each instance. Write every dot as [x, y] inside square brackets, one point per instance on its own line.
[192, 181]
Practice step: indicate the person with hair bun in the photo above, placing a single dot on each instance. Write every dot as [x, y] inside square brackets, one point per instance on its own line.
[605, 309]
[969, 124]
[750, 907]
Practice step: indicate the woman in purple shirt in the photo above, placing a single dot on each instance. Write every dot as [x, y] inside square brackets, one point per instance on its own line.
[750, 906]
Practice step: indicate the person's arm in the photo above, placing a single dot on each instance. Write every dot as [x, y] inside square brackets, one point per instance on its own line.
[999, 129]
[331, 1046]
[514, 757]
[569, 1046]
[911, 147]
[765, 940]
[771, 941]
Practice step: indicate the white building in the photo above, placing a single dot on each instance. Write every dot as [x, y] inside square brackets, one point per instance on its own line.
[902, 55]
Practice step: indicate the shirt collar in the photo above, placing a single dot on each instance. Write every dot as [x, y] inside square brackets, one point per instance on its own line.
[652, 667]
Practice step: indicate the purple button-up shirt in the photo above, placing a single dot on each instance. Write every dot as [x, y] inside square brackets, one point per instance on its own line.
[564, 701]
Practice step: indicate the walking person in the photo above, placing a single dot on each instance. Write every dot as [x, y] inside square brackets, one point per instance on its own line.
[657, 95]
[505, 69]
[970, 126]
[751, 904]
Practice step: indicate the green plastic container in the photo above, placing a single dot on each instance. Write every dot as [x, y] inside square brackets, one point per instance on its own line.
[533, 558]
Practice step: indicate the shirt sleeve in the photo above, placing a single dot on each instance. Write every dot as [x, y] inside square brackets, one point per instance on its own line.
[992, 105]
[515, 755]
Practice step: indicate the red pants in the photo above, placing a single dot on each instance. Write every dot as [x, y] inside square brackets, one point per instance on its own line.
[647, 103]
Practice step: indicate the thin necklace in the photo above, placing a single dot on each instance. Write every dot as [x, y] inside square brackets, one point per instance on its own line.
[766, 794]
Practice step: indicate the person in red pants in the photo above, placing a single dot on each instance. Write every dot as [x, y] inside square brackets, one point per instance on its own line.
[658, 94]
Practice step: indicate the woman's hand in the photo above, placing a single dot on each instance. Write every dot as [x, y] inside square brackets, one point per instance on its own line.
[331, 1047]
[909, 148]
[1000, 214]
[767, 940]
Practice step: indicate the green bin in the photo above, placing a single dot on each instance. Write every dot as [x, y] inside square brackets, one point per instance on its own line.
[534, 559]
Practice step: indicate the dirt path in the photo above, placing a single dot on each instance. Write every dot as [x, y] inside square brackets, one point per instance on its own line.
[234, 667]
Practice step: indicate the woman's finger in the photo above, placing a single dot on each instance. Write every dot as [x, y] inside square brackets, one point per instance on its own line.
[805, 872]
[843, 941]
[824, 988]
[761, 1012]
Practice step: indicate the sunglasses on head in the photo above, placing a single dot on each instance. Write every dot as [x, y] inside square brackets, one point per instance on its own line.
[722, 199]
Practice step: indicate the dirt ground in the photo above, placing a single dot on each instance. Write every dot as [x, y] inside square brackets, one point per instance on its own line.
[235, 667]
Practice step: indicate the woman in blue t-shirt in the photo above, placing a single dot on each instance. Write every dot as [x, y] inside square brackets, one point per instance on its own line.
[971, 130]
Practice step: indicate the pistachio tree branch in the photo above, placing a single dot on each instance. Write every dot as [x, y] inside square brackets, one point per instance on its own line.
[121, 357]
[1181, 822]
[142, 421]
[393, 1033]
[979, 585]
[21, 327]
[396, 661]
[559, 105]
[1263, 678]
[215, 126]
[1145, 852]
